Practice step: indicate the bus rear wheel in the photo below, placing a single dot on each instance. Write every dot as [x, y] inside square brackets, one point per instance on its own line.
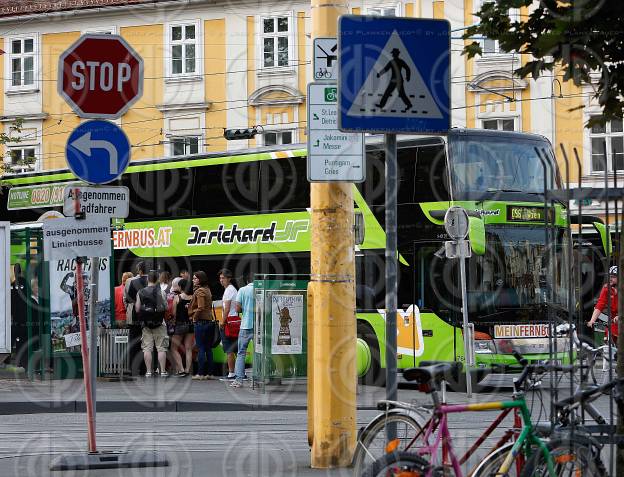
[374, 375]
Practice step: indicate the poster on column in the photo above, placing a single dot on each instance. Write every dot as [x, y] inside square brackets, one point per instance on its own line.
[64, 321]
[287, 323]
[259, 325]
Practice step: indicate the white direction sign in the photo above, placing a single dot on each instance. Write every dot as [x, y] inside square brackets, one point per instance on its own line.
[71, 238]
[325, 63]
[109, 202]
[333, 155]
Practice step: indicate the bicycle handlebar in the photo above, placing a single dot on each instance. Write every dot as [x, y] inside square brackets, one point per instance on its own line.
[529, 369]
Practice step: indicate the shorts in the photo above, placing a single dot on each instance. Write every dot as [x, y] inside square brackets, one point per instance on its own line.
[151, 337]
[230, 345]
[183, 329]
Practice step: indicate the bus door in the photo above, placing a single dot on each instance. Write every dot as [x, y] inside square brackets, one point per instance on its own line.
[408, 346]
[433, 299]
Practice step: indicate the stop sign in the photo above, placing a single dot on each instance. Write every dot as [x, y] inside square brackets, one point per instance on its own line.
[100, 76]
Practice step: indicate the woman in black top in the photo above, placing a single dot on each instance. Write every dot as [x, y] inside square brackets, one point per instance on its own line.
[184, 332]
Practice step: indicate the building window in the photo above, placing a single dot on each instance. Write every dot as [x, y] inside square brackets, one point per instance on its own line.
[607, 137]
[274, 138]
[385, 11]
[492, 47]
[22, 60]
[184, 145]
[183, 49]
[22, 159]
[276, 33]
[499, 124]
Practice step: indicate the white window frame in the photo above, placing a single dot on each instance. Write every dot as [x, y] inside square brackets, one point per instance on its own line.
[22, 88]
[101, 31]
[36, 167]
[499, 120]
[199, 52]
[291, 36]
[175, 137]
[608, 136]
[385, 6]
[279, 133]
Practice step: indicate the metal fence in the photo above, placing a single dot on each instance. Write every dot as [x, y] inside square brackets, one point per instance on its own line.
[113, 352]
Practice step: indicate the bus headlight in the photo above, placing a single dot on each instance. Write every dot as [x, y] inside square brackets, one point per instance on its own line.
[484, 344]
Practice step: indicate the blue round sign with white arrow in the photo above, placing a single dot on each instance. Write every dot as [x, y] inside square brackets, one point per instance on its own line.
[98, 152]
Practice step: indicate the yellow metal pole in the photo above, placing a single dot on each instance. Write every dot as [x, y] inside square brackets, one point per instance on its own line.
[332, 323]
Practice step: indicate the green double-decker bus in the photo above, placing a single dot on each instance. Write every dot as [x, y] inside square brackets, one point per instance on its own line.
[250, 209]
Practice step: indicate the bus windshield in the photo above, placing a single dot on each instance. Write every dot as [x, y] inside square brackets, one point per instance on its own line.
[515, 270]
[482, 164]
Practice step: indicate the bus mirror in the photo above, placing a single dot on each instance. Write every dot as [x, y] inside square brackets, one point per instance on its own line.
[605, 236]
[359, 228]
[476, 235]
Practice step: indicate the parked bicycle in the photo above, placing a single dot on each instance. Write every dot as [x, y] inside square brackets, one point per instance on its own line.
[558, 456]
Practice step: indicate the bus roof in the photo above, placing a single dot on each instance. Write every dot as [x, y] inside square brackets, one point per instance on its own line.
[255, 154]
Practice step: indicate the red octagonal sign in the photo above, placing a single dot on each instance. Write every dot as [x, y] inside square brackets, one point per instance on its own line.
[100, 76]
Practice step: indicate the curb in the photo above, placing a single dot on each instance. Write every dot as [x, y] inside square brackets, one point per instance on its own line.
[8, 408]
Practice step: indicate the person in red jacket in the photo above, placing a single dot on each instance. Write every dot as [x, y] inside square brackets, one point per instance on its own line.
[604, 300]
[120, 306]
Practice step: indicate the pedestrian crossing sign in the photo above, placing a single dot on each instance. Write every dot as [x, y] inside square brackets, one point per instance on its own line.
[394, 74]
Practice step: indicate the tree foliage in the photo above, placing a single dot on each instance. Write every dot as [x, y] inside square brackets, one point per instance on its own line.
[585, 37]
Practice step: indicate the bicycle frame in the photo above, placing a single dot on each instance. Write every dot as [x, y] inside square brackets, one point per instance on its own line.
[443, 436]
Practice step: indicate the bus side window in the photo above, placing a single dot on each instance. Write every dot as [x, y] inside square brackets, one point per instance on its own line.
[284, 184]
[431, 182]
[227, 189]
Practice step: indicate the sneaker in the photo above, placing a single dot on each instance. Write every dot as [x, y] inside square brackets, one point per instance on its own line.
[197, 377]
[236, 384]
[181, 374]
[164, 374]
[148, 374]
[246, 378]
[229, 377]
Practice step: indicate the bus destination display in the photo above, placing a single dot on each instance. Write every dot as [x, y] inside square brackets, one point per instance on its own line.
[523, 213]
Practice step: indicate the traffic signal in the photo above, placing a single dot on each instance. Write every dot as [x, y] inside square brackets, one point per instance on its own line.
[235, 134]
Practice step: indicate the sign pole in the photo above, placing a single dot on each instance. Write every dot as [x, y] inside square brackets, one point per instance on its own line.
[86, 374]
[468, 355]
[86, 370]
[391, 271]
[93, 333]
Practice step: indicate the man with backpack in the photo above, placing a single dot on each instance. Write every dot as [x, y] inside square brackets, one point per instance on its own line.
[150, 308]
[134, 328]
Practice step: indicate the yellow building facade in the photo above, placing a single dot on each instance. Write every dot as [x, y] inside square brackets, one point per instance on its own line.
[213, 65]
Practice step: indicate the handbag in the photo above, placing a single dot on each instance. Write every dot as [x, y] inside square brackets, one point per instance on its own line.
[216, 337]
[232, 326]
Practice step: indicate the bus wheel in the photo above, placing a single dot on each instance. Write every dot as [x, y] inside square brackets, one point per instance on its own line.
[368, 351]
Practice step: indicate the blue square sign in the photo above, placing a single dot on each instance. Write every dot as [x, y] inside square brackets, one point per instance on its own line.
[394, 74]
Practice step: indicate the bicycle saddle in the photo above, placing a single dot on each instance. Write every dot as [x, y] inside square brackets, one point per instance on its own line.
[433, 373]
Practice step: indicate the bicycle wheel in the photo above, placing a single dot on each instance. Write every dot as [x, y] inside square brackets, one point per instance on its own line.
[491, 464]
[571, 457]
[371, 444]
[398, 464]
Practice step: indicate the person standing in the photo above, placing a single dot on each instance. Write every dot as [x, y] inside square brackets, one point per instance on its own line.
[183, 328]
[200, 313]
[244, 304]
[150, 306]
[165, 282]
[120, 306]
[608, 297]
[19, 326]
[230, 343]
[133, 286]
